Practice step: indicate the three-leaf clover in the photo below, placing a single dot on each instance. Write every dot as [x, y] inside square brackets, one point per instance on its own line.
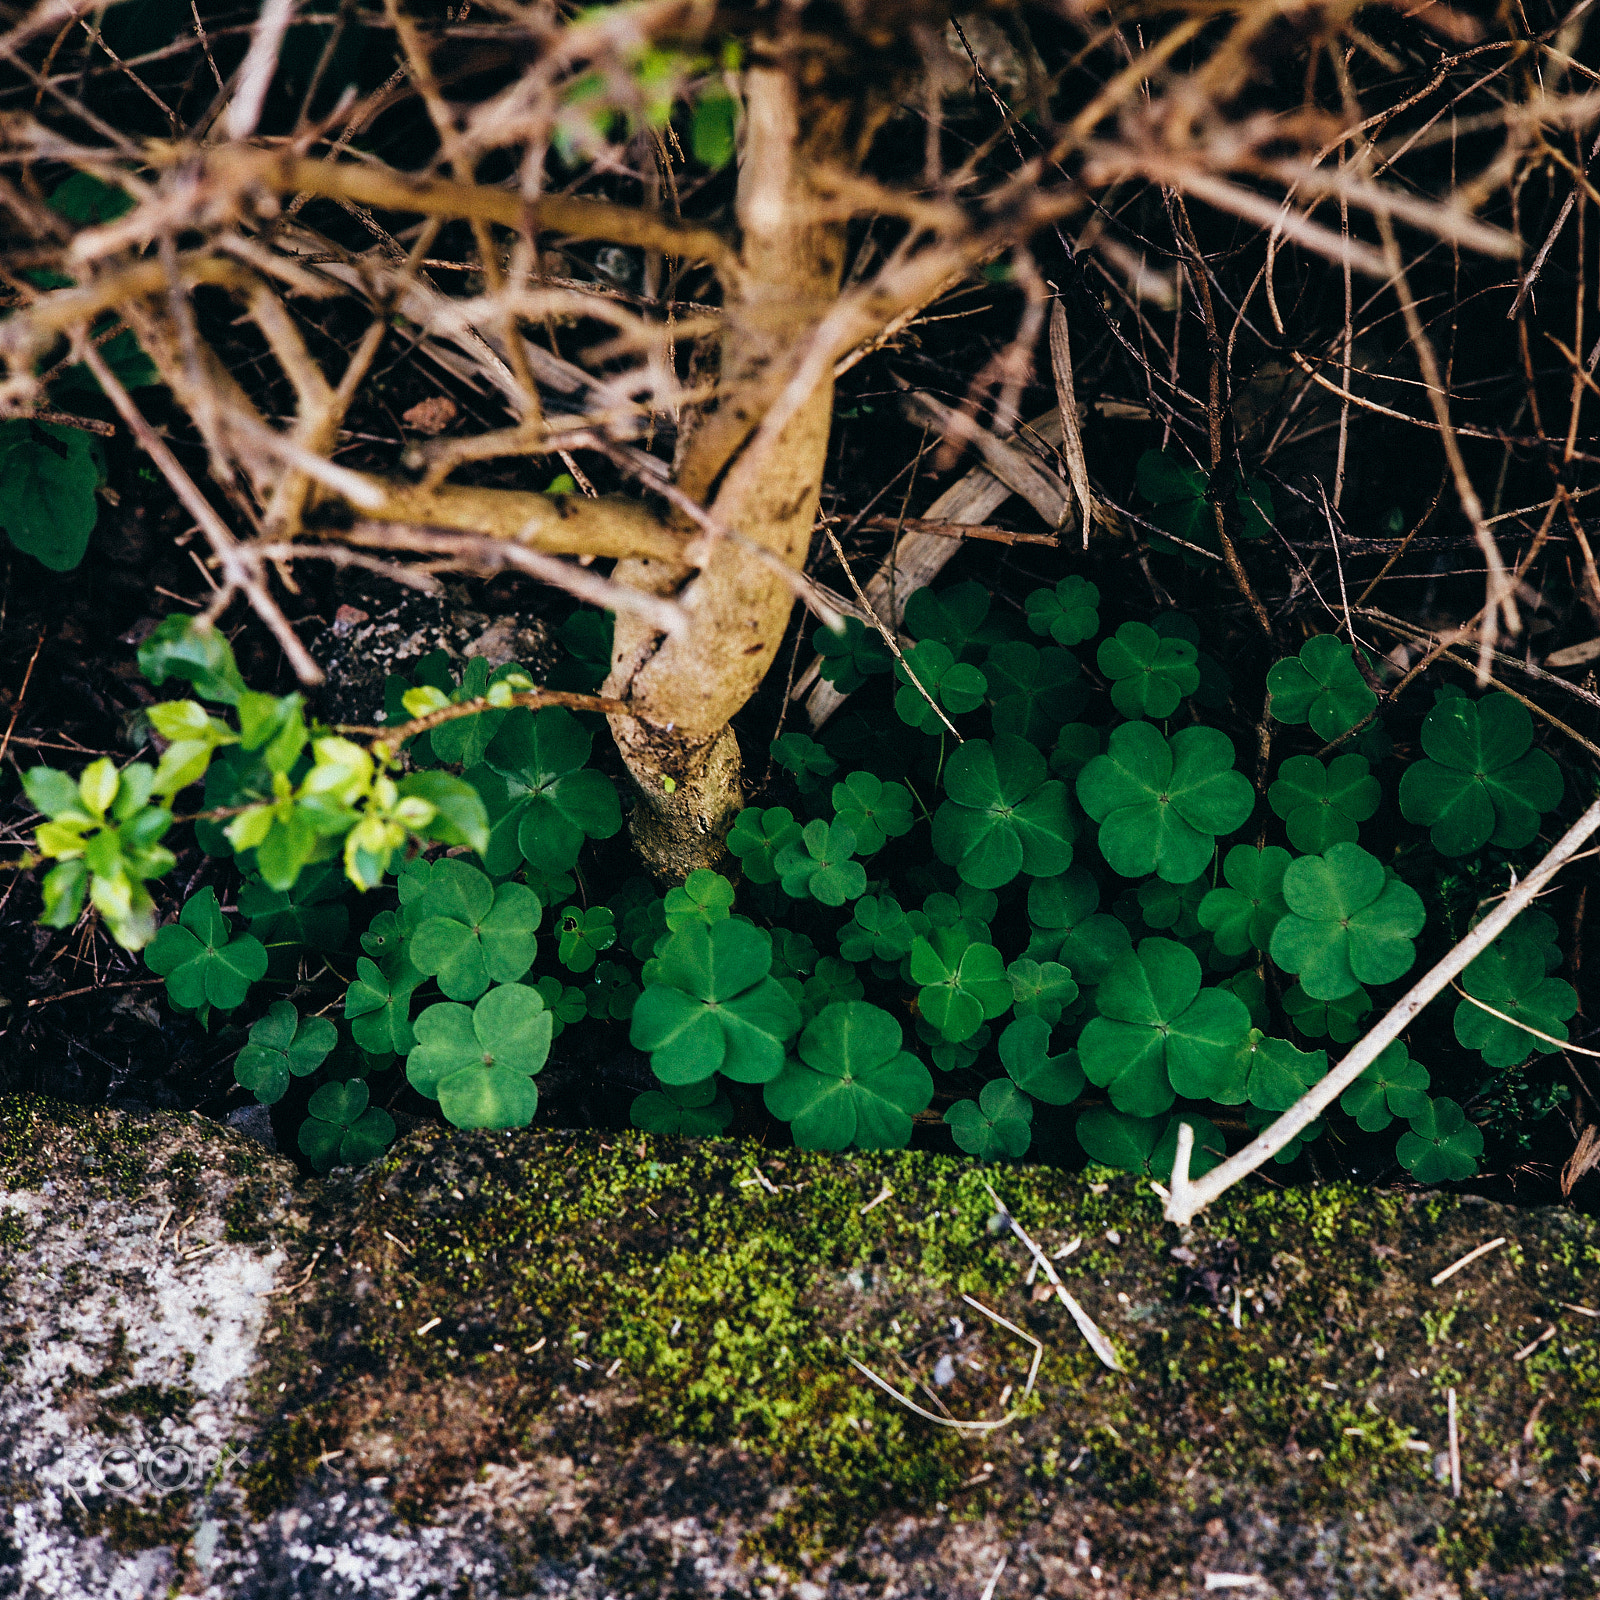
[953, 616]
[1441, 1144]
[1025, 1054]
[564, 1003]
[1159, 1033]
[341, 1129]
[1246, 912]
[954, 685]
[1069, 613]
[283, 1044]
[1070, 928]
[998, 1123]
[801, 755]
[878, 930]
[1481, 784]
[1323, 805]
[758, 835]
[1273, 1074]
[583, 934]
[1150, 675]
[470, 933]
[1004, 814]
[1338, 1019]
[1041, 989]
[962, 984]
[1510, 977]
[1393, 1086]
[853, 1085]
[1349, 923]
[852, 656]
[1162, 803]
[202, 964]
[704, 896]
[714, 1006]
[478, 1061]
[378, 1005]
[558, 801]
[1033, 691]
[1322, 686]
[697, 1110]
[819, 864]
[1148, 1145]
[874, 810]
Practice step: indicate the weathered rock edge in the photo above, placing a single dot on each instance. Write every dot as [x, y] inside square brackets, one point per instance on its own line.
[534, 1363]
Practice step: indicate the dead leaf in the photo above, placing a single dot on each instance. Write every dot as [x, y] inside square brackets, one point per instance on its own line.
[432, 415]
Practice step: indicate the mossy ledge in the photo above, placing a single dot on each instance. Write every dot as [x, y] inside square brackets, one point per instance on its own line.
[505, 1364]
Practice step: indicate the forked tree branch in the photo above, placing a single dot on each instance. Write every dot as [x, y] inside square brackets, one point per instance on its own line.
[1188, 1197]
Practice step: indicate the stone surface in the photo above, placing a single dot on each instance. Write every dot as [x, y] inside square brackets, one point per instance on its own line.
[538, 1364]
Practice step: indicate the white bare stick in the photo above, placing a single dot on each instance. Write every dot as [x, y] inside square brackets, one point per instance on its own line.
[260, 62]
[1187, 1198]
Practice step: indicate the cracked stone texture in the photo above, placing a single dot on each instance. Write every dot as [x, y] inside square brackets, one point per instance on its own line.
[546, 1364]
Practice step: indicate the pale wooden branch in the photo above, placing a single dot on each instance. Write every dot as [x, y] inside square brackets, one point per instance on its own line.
[1188, 1197]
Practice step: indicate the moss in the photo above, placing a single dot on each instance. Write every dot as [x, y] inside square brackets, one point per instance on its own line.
[592, 1299]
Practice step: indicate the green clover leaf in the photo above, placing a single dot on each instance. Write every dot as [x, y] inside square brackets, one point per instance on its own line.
[311, 913]
[1041, 989]
[878, 930]
[1349, 923]
[1177, 490]
[341, 1129]
[1033, 691]
[1258, 1119]
[565, 1004]
[758, 835]
[999, 1123]
[953, 684]
[704, 896]
[1070, 928]
[1004, 814]
[1171, 907]
[1511, 977]
[1322, 805]
[1148, 1145]
[1273, 1074]
[1393, 1086]
[819, 865]
[203, 966]
[692, 1110]
[558, 802]
[801, 755]
[1442, 1145]
[1150, 675]
[613, 994]
[854, 1084]
[1481, 784]
[963, 984]
[478, 1061]
[1069, 613]
[378, 1005]
[875, 811]
[583, 935]
[1244, 914]
[1076, 746]
[793, 954]
[283, 1044]
[1338, 1019]
[714, 1007]
[1322, 686]
[471, 933]
[851, 657]
[1159, 1032]
[834, 980]
[953, 616]
[1162, 803]
[1025, 1054]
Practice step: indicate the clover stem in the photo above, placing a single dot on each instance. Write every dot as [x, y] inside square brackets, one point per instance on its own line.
[1186, 1198]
